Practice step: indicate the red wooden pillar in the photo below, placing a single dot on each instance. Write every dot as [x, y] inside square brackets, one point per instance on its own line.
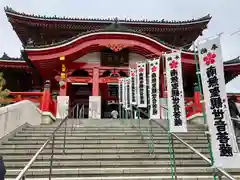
[46, 97]
[197, 99]
[95, 82]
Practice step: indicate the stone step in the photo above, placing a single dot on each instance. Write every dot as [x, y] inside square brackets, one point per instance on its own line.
[96, 151]
[98, 133]
[105, 157]
[92, 141]
[151, 177]
[96, 146]
[119, 163]
[83, 128]
[130, 178]
[106, 132]
[136, 134]
[91, 172]
[102, 137]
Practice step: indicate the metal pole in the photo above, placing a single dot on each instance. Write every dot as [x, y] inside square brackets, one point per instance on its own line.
[64, 140]
[174, 160]
[119, 110]
[51, 160]
[77, 111]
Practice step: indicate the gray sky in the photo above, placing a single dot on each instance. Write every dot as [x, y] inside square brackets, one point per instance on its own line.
[225, 18]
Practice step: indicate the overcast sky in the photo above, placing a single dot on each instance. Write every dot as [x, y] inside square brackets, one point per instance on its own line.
[225, 18]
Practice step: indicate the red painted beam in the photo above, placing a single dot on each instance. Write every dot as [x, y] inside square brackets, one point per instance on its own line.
[26, 93]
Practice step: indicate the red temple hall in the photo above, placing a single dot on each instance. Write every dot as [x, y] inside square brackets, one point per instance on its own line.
[85, 57]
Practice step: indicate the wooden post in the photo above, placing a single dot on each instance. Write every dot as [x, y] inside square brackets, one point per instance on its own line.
[46, 97]
[95, 82]
[197, 99]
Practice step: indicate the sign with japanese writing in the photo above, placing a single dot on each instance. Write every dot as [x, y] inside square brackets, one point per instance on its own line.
[62, 106]
[127, 93]
[123, 93]
[175, 93]
[154, 67]
[120, 89]
[94, 110]
[142, 85]
[223, 140]
[133, 83]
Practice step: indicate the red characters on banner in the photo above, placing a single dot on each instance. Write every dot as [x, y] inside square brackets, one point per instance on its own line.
[141, 70]
[209, 58]
[173, 64]
[154, 69]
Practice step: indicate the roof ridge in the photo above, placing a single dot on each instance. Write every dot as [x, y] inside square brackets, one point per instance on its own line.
[11, 10]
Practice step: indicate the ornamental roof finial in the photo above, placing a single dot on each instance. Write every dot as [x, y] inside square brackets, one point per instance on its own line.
[115, 20]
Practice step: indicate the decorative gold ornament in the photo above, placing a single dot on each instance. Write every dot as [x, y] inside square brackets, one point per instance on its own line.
[63, 68]
[62, 58]
[63, 75]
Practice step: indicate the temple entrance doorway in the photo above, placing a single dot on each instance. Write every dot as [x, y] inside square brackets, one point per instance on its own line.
[79, 95]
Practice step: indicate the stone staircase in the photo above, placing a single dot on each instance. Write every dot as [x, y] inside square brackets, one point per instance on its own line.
[106, 149]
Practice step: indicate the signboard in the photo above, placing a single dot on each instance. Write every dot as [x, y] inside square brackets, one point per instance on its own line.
[62, 106]
[94, 111]
[154, 68]
[120, 89]
[123, 93]
[176, 105]
[142, 85]
[133, 83]
[127, 93]
[223, 140]
[113, 90]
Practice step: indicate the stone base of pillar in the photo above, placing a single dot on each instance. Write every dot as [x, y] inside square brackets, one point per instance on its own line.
[47, 118]
[196, 119]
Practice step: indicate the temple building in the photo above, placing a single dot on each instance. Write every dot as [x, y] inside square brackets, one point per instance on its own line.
[85, 57]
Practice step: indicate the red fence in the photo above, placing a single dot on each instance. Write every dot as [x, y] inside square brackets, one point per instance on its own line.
[36, 97]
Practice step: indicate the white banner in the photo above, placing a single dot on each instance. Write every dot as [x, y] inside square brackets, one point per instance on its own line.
[223, 140]
[120, 89]
[62, 106]
[142, 85]
[176, 106]
[127, 93]
[94, 111]
[123, 93]
[133, 83]
[154, 94]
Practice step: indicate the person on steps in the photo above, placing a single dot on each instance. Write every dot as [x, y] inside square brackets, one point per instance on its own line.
[2, 169]
[114, 114]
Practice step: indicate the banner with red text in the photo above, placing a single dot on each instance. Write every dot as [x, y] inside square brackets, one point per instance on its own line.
[123, 93]
[223, 140]
[175, 93]
[154, 93]
[133, 83]
[127, 93]
[142, 85]
[120, 89]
